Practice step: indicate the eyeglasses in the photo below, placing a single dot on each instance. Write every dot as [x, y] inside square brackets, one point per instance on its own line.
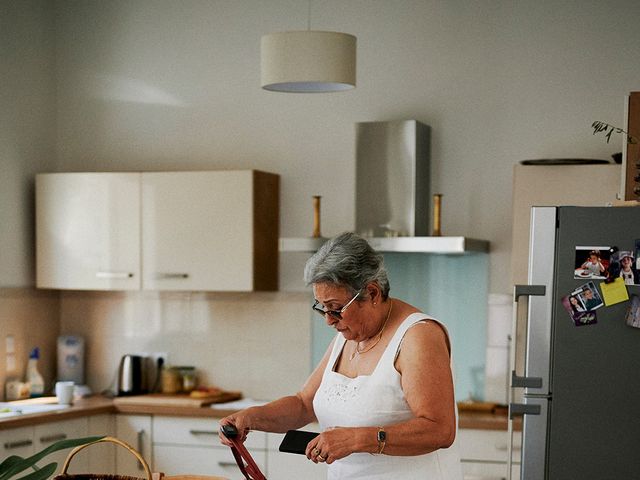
[337, 314]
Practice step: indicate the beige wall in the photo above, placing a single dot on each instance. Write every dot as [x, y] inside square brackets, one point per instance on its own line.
[30, 318]
[257, 343]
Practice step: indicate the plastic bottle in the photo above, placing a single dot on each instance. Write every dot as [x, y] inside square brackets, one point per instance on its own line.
[35, 380]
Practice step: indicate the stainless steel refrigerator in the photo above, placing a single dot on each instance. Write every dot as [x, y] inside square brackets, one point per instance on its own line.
[579, 393]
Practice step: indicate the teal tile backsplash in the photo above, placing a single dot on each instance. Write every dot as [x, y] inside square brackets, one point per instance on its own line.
[451, 288]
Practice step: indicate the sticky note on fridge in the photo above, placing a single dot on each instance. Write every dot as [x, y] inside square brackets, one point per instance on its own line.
[614, 292]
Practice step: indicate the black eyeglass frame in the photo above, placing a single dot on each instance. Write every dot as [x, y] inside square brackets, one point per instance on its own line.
[337, 314]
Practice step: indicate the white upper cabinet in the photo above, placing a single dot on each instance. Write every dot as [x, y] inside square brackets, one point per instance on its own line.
[214, 230]
[208, 230]
[88, 231]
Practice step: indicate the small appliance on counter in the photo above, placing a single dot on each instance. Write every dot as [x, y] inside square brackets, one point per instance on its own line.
[132, 375]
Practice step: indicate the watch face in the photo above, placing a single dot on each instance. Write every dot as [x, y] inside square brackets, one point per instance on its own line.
[382, 436]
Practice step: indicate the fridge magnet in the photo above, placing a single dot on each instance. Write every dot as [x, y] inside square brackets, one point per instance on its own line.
[614, 292]
[577, 312]
[592, 262]
[633, 312]
[589, 297]
[623, 265]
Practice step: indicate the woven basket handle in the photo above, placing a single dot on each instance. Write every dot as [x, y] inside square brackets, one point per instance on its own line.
[133, 451]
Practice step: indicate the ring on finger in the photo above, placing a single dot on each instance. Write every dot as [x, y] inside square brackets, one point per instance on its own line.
[321, 458]
[316, 452]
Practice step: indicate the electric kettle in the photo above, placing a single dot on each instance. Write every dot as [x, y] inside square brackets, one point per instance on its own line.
[133, 375]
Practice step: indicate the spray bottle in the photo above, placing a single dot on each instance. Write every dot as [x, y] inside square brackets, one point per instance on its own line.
[35, 380]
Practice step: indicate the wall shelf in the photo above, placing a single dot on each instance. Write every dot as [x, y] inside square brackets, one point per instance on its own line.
[438, 245]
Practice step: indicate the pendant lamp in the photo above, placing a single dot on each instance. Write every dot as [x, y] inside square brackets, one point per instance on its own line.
[308, 61]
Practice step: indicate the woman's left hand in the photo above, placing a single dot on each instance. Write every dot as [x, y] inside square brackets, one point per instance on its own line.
[331, 445]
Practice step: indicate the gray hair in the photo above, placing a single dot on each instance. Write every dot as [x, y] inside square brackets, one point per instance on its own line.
[349, 261]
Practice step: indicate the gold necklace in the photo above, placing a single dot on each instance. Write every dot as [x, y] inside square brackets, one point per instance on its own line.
[357, 351]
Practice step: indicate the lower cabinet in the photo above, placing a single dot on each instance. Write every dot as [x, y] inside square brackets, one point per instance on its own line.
[49, 433]
[484, 454]
[186, 445]
[136, 430]
[26, 441]
[16, 441]
[102, 456]
[290, 465]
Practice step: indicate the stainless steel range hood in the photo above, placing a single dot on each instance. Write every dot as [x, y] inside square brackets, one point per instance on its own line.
[393, 193]
[393, 178]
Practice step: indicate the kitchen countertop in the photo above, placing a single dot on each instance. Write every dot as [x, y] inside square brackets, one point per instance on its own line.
[98, 405]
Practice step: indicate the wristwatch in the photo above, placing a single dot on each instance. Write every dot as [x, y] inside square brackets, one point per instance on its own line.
[382, 439]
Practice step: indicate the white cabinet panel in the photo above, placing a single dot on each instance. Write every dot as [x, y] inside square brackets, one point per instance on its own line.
[211, 231]
[187, 459]
[135, 430]
[50, 433]
[291, 465]
[484, 453]
[88, 231]
[185, 445]
[201, 229]
[16, 441]
[197, 431]
[102, 456]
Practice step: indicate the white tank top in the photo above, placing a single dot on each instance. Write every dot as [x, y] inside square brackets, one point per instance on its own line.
[377, 400]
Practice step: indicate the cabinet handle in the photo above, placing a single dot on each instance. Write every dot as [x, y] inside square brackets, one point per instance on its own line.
[140, 448]
[203, 432]
[53, 438]
[18, 444]
[171, 275]
[114, 274]
[227, 464]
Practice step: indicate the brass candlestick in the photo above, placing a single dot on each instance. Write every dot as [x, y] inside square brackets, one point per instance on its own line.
[437, 204]
[316, 216]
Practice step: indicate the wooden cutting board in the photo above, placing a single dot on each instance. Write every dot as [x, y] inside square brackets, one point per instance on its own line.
[177, 400]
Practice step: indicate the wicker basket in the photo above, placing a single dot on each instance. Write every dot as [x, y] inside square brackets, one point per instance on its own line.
[63, 475]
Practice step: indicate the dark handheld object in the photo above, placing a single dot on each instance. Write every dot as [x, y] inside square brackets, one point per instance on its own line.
[250, 470]
[296, 441]
[229, 431]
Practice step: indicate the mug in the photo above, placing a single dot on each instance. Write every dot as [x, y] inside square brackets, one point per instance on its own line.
[64, 392]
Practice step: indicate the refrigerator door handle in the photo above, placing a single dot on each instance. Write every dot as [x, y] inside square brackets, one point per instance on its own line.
[525, 382]
[528, 291]
[518, 409]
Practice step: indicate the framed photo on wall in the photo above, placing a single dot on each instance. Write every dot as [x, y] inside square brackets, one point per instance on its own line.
[631, 150]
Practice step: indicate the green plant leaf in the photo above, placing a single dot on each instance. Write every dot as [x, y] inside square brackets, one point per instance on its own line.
[8, 462]
[16, 466]
[42, 473]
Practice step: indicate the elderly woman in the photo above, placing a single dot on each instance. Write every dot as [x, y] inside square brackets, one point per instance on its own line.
[383, 392]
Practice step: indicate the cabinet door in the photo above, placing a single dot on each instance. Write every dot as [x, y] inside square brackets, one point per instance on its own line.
[16, 441]
[50, 433]
[197, 230]
[192, 460]
[136, 431]
[102, 456]
[291, 465]
[88, 231]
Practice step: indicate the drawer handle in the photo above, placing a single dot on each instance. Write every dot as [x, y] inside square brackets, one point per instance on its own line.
[114, 274]
[53, 438]
[18, 444]
[171, 275]
[203, 432]
[227, 464]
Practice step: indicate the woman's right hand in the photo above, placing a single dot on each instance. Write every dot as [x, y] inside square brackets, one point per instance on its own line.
[240, 421]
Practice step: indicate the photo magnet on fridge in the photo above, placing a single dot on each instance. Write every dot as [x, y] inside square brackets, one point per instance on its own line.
[633, 312]
[577, 312]
[588, 296]
[592, 262]
[623, 265]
